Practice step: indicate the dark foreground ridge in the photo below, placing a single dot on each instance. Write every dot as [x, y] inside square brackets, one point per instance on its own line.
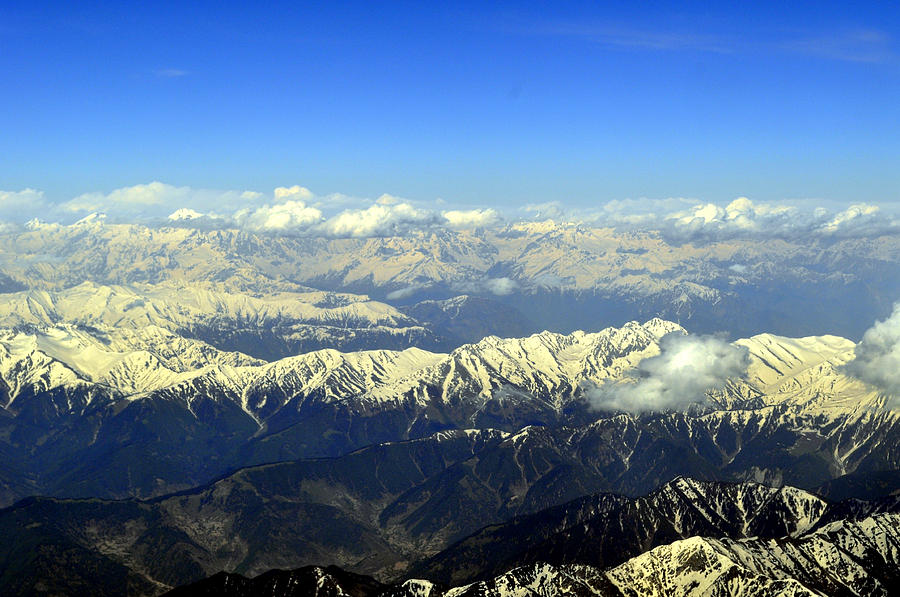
[241, 524]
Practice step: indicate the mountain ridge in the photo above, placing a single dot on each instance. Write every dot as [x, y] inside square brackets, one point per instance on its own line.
[233, 410]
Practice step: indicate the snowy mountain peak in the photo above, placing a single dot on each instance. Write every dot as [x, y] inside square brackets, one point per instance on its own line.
[184, 214]
[91, 220]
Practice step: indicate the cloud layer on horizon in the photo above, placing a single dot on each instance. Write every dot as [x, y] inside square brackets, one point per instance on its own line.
[296, 210]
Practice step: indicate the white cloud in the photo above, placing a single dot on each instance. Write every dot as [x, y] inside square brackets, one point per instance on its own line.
[854, 217]
[133, 198]
[855, 45]
[500, 286]
[679, 376]
[172, 73]
[20, 206]
[740, 217]
[337, 215]
[552, 210]
[495, 286]
[387, 199]
[290, 216]
[877, 360]
[378, 220]
[402, 293]
[472, 218]
[292, 193]
[157, 200]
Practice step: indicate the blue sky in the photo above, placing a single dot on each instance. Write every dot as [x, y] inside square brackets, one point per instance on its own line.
[490, 105]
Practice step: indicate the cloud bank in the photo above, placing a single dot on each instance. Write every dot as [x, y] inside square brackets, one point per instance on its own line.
[877, 360]
[13, 204]
[157, 200]
[743, 218]
[297, 210]
[678, 377]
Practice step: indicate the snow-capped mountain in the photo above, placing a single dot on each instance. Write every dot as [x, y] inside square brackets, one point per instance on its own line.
[559, 276]
[127, 361]
[544, 371]
[268, 325]
[844, 558]
[177, 307]
[606, 529]
[852, 558]
[77, 394]
[801, 372]
[136, 362]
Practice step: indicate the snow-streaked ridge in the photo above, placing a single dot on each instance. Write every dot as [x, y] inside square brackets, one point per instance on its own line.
[545, 371]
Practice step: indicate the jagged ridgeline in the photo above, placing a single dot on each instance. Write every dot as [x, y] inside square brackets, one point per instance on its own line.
[841, 558]
[138, 410]
[705, 537]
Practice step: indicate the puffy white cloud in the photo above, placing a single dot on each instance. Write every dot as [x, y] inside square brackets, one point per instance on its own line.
[472, 218]
[877, 360]
[500, 286]
[378, 220]
[289, 216]
[704, 222]
[20, 206]
[679, 376]
[856, 217]
[132, 199]
[292, 193]
[740, 217]
[21, 199]
[157, 200]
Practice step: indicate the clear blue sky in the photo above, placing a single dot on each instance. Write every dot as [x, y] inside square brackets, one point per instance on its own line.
[492, 105]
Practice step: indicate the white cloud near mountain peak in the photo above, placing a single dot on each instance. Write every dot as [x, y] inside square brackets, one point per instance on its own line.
[378, 220]
[877, 359]
[280, 217]
[129, 199]
[472, 218]
[15, 205]
[680, 375]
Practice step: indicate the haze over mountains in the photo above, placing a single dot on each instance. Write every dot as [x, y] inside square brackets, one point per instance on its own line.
[555, 276]
[524, 405]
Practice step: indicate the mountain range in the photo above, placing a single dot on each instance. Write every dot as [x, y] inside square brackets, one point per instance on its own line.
[534, 408]
[87, 408]
[558, 276]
